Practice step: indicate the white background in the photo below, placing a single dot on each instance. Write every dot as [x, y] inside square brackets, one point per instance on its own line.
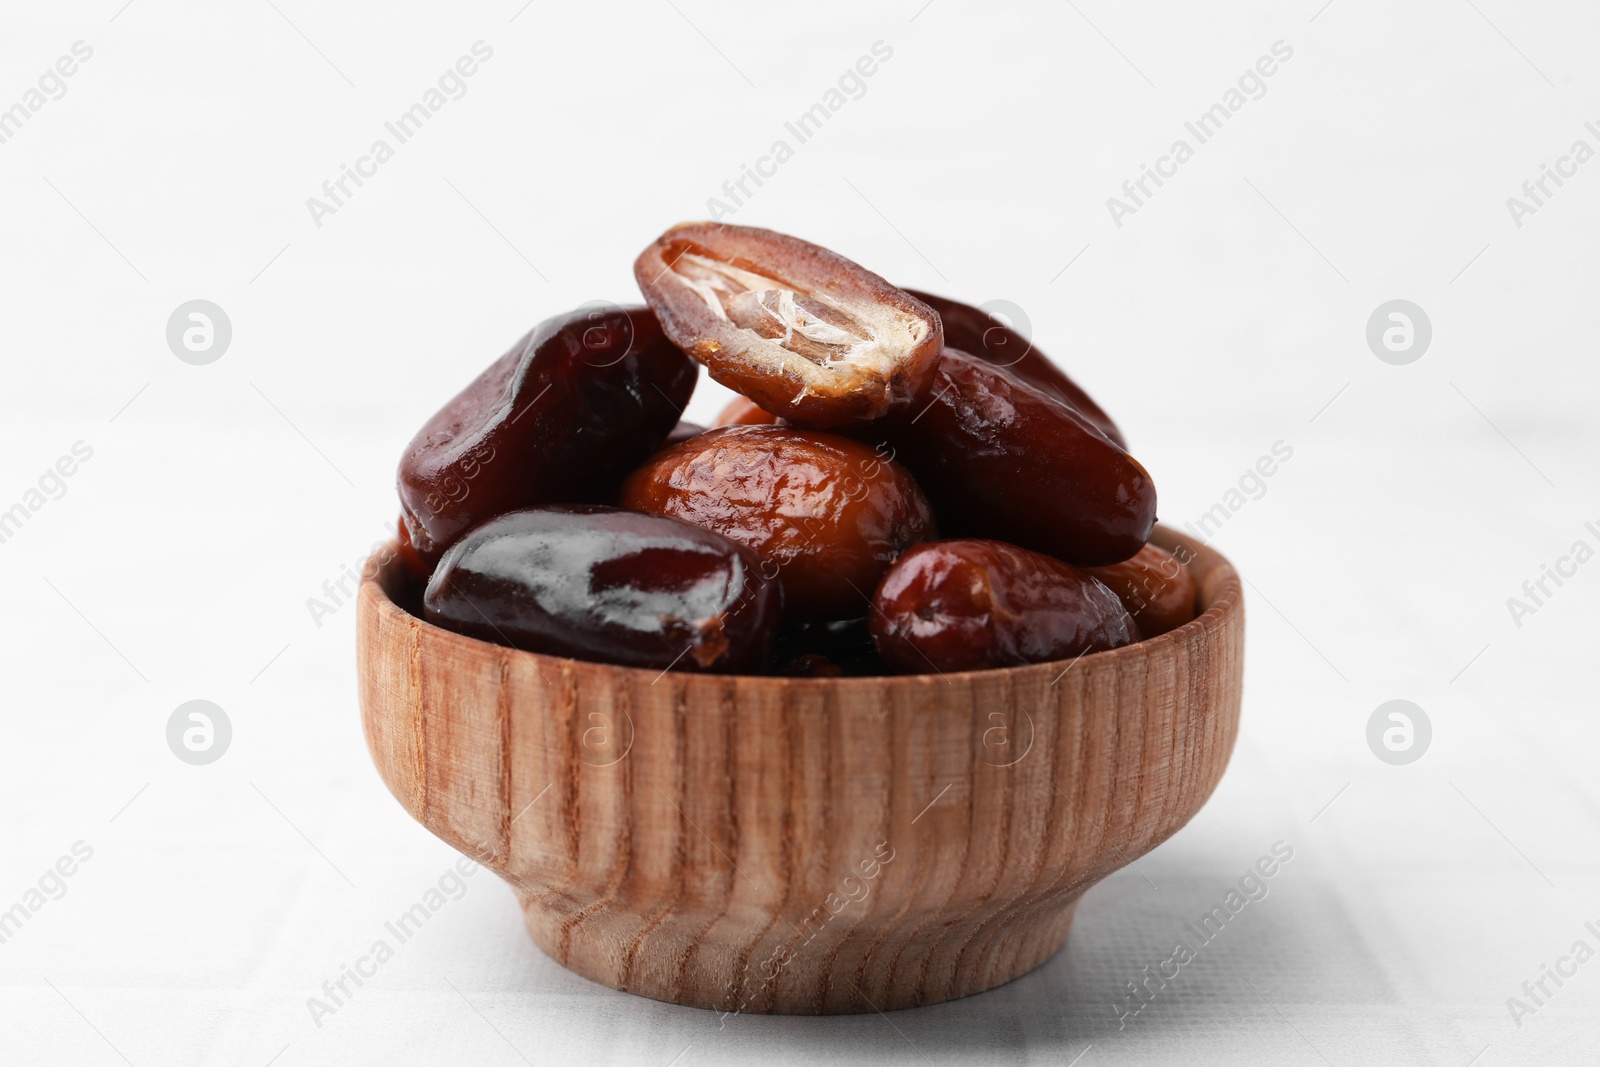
[1228, 314]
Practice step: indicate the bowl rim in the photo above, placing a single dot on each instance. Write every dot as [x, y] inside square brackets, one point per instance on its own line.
[1227, 601]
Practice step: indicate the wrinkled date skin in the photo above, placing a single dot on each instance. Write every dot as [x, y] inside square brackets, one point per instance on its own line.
[972, 605]
[828, 514]
[1158, 591]
[1001, 459]
[600, 584]
[804, 332]
[562, 417]
[977, 333]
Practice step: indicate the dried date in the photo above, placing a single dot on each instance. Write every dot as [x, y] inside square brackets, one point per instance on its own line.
[977, 333]
[802, 331]
[1157, 590]
[827, 513]
[974, 604]
[1002, 460]
[561, 418]
[602, 584]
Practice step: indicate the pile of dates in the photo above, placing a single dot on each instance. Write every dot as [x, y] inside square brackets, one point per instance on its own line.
[905, 485]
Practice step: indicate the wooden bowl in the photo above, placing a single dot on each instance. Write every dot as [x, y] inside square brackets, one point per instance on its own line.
[801, 845]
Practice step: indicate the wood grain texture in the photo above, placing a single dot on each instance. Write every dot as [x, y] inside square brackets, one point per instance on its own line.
[801, 845]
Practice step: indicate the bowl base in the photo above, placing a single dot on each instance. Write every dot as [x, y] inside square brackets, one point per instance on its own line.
[680, 959]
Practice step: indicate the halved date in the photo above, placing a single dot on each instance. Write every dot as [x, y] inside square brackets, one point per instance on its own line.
[614, 586]
[974, 604]
[978, 333]
[802, 331]
[1001, 459]
[560, 418]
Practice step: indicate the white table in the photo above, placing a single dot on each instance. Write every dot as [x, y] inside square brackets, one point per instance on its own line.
[1226, 314]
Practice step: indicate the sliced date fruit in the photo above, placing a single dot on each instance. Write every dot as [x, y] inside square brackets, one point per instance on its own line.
[800, 330]
[561, 418]
[601, 584]
[828, 514]
[1001, 459]
[1158, 591]
[976, 604]
[977, 333]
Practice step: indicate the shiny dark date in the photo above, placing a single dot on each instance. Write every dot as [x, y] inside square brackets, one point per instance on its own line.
[601, 584]
[977, 333]
[562, 417]
[1158, 591]
[1000, 459]
[973, 604]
